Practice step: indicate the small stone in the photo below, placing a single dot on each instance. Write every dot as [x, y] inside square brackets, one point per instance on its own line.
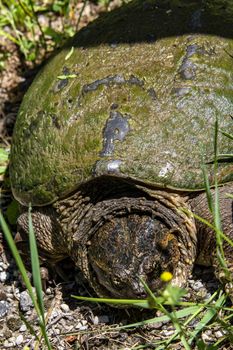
[12, 340]
[207, 338]
[197, 285]
[19, 339]
[82, 325]
[25, 301]
[220, 334]
[57, 331]
[169, 333]
[3, 276]
[156, 325]
[55, 313]
[65, 308]
[5, 266]
[78, 325]
[95, 320]
[113, 45]
[7, 344]
[83, 328]
[4, 307]
[23, 328]
[16, 291]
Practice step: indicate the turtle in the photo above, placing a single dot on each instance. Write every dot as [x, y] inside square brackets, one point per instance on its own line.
[110, 142]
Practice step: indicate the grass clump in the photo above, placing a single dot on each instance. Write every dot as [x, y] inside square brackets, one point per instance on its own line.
[29, 24]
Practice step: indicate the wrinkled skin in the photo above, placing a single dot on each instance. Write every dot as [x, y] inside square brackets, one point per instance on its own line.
[117, 233]
[110, 159]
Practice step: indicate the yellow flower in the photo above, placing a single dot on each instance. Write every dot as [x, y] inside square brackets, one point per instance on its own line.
[166, 276]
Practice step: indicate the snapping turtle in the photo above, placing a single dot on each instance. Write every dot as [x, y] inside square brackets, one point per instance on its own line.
[110, 139]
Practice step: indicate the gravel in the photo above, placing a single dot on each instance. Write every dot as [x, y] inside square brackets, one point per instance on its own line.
[70, 324]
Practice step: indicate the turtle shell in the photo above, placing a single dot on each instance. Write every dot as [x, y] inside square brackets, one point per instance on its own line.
[135, 94]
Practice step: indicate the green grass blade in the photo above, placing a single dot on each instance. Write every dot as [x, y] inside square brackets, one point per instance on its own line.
[217, 214]
[18, 259]
[4, 155]
[224, 155]
[201, 307]
[179, 314]
[28, 325]
[229, 195]
[8, 36]
[37, 279]
[70, 53]
[210, 313]
[207, 223]
[143, 303]
[230, 136]
[207, 189]
[35, 266]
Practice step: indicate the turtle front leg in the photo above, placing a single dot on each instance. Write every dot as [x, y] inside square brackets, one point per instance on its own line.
[207, 248]
[48, 232]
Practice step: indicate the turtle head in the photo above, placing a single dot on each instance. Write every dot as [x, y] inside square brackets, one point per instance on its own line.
[130, 248]
[136, 239]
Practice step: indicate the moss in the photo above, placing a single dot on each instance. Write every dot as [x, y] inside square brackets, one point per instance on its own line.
[59, 133]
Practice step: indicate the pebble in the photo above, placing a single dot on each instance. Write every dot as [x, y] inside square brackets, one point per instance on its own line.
[81, 326]
[25, 301]
[95, 320]
[57, 331]
[207, 337]
[4, 307]
[219, 334]
[169, 333]
[8, 344]
[197, 285]
[3, 266]
[55, 313]
[23, 328]
[19, 339]
[3, 276]
[156, 325]
[10, 295]
[49, 291]
[65, 307]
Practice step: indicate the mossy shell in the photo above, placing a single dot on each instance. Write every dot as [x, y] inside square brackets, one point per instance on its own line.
[135, 94]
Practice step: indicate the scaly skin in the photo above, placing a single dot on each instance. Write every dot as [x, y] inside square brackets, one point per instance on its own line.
[125, 232]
